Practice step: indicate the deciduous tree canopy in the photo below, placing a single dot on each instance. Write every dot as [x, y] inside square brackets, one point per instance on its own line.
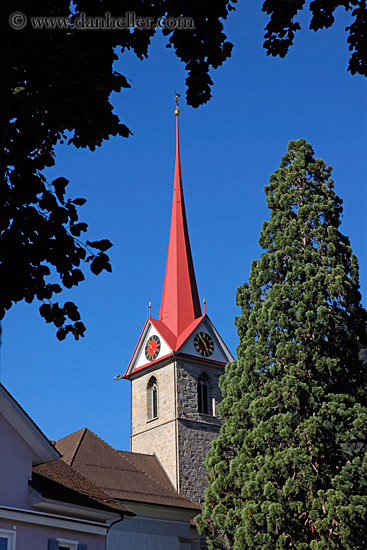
[289, 468]
[56, 86]
[283, 24]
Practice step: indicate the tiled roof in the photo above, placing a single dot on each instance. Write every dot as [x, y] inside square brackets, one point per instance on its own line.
[121, 474]
[60, 482]
[68, 445]
[150, 465]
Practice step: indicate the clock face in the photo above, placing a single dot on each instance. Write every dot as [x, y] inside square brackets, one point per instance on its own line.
[152, 347]
[204, 344]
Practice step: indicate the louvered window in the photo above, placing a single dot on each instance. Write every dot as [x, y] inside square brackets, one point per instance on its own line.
[152, 398]
[203, 394]
[155, 400]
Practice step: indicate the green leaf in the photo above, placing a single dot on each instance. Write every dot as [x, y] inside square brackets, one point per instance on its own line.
[97, 265]
[79, 326]
[103, 244]
[46, 313]
[61, 334]
[79, 201]
[77, 228]
[59, 186]
[71, 311]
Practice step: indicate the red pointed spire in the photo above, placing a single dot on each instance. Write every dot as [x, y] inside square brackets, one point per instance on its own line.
[180, 304]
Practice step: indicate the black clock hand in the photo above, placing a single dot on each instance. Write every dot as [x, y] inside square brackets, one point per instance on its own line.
[203, 341]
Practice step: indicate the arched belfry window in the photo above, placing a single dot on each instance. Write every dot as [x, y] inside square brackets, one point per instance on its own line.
[152, 398]
[203, 394]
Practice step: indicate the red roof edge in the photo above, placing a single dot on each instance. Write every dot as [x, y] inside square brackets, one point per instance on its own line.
[125, 375]
[166, 333]
[188, 331]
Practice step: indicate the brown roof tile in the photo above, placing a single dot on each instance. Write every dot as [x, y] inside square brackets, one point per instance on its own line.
[123, 475]
[68, 445]
[59, 481]
[150, 465]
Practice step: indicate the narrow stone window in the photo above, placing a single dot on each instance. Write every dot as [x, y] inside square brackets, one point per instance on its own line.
[155, 400]
[152, 398]
[203, 394]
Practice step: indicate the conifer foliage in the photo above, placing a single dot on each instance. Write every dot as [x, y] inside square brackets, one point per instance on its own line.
[289, 468]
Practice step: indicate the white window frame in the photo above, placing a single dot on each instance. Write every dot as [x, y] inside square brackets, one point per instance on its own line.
[67, 543]
[10, 536]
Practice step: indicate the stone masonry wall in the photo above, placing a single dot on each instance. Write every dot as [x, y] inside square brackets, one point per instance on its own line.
[180, 436]
[162, 441]
[196, 431]
[194, 440]
[158, 435]
[188, 374]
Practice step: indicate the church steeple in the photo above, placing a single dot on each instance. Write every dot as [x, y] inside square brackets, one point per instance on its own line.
[180, 304]
[176, 365]
[180, 326]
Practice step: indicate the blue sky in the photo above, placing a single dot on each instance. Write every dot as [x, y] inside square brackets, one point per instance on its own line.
[229, 148]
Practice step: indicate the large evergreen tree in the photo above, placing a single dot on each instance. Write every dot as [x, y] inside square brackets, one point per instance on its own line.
[289, 468]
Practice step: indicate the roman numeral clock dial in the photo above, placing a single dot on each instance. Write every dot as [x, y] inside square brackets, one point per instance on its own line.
[152, 347]
[204, 344]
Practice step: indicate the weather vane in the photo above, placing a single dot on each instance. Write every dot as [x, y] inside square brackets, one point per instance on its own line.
[177, 110]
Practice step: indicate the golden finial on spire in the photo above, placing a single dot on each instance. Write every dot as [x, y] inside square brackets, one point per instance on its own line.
[177, 110]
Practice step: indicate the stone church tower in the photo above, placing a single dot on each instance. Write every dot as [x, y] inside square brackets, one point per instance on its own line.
[175, 367]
